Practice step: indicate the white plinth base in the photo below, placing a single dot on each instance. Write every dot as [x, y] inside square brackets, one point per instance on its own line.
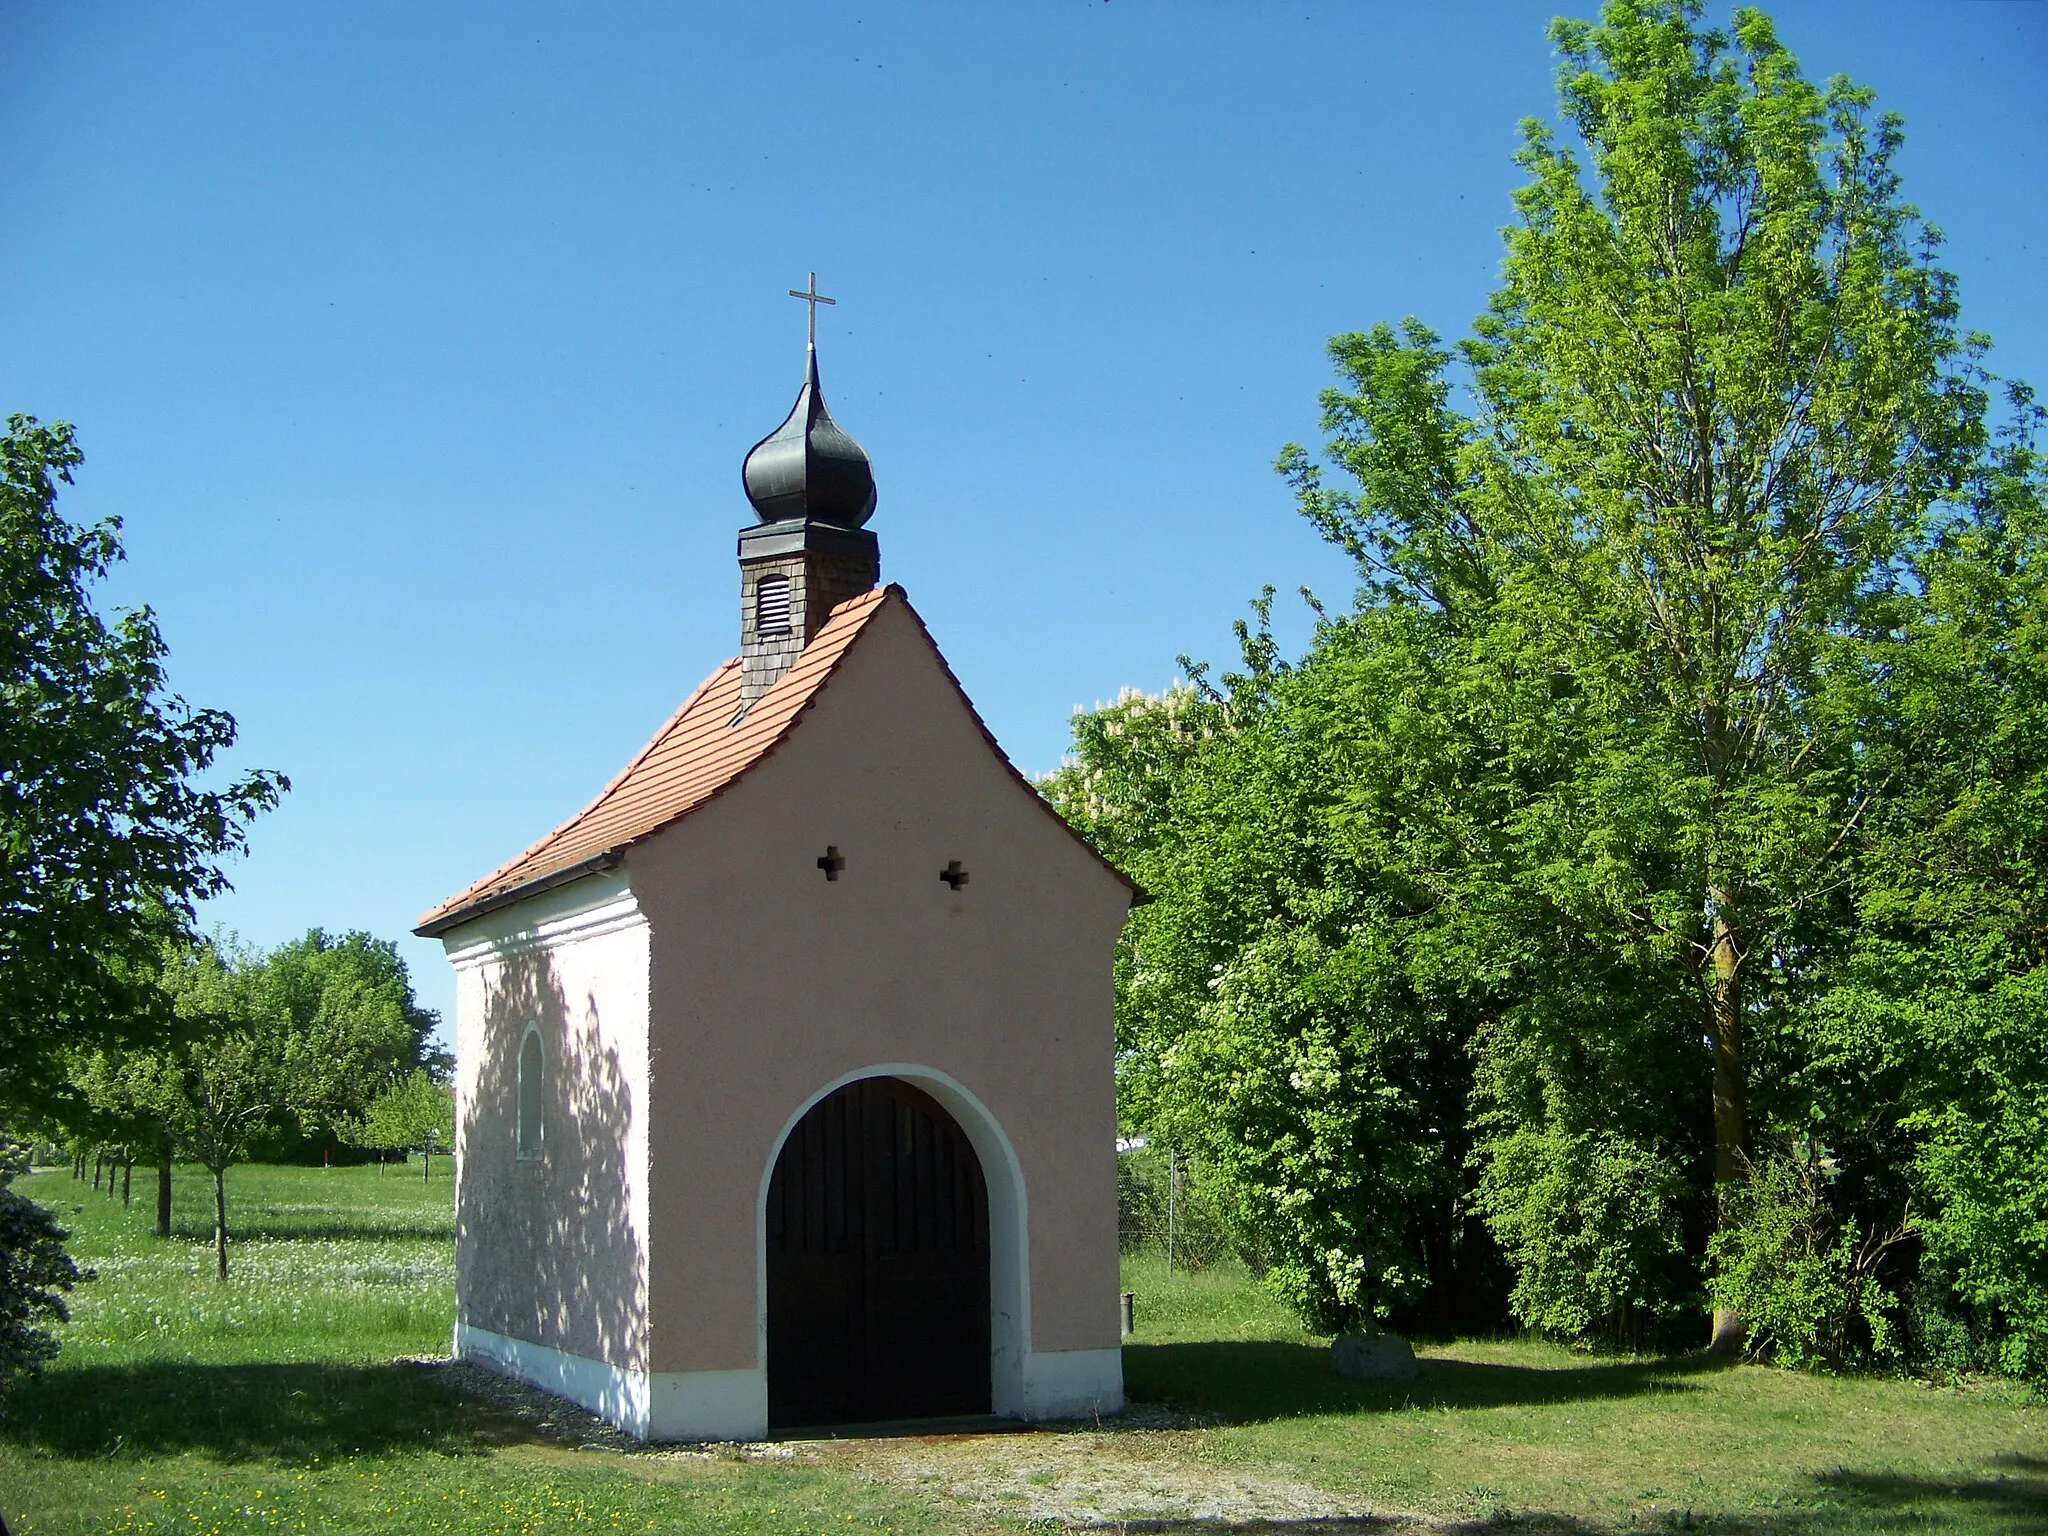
[733, 1405]
[652, 1405]
[1072, 1384]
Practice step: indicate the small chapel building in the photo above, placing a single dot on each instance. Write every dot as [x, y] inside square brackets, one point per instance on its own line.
[784, 1086]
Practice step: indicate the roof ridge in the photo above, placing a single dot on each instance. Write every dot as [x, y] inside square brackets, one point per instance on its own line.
[731, 746]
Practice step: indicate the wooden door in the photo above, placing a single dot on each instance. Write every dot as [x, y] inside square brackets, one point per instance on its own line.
[878, 1301]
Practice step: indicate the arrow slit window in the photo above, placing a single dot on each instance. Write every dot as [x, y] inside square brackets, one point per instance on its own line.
[532, 1072]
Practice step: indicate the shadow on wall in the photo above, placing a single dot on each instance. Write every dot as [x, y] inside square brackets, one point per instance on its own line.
[546, 1248]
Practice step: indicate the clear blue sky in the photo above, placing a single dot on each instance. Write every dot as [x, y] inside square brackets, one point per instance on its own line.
[419, 345]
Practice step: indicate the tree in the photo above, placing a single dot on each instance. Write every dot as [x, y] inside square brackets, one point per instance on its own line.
[227, 1078]
[1925, 1057]
[353, 1028]
[1270, 1015]
[117, 1094]
[416, 1112]
[106, 838]
[1718, 402]
[1649, 864]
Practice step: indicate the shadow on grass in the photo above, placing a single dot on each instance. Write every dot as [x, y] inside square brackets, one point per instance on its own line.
[286, 1413]
[2013, 1499]
[1838, 1504]
[436, 1226]
[1847, 1503]
[1250, 1381]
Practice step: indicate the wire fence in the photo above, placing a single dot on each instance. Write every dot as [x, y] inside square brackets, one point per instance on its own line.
[1165, 1206]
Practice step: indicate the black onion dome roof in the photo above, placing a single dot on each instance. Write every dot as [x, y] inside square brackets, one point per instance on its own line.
[808, 467]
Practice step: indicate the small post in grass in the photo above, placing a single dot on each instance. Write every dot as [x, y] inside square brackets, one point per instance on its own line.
[1130, 1313]
[427, 1162]
[1172, 1188]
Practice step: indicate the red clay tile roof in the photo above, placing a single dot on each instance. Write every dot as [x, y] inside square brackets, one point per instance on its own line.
[691, 759]
[694, 758]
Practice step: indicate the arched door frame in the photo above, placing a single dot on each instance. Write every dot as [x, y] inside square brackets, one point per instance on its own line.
[1009, 1270]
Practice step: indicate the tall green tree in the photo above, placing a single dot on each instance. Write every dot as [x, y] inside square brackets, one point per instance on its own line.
[1703, 426]
[1646, 865]
[107, 835]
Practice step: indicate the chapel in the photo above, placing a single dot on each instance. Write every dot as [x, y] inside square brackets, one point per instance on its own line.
[784, 1085]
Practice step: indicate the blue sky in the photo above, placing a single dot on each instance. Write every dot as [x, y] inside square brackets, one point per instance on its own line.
[419, 345]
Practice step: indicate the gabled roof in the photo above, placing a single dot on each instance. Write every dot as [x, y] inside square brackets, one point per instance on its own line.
[690, 760]
[694, 758]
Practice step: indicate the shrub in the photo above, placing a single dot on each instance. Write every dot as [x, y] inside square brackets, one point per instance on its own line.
[1591, 1223]
[1937, 1333]
[1803, 1280]
[33, 1268]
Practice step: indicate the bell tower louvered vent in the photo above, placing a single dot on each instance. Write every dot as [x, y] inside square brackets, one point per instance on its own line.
[812, 489]
[771, 606]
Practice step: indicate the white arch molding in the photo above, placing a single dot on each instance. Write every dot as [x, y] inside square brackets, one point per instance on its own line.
[1009, 1231]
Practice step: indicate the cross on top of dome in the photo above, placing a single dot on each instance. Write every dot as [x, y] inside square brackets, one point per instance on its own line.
[808, 468]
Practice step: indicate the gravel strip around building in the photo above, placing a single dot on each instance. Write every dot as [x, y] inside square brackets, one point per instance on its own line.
[1150, 1469]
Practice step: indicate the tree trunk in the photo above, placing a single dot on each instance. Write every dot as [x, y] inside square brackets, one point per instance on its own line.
[220, 1218]
[99, 1161]
[163, 1191]
[127, 1178]
[1725, 1009]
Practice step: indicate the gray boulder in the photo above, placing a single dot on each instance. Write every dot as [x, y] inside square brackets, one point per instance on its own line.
[1373, 1357]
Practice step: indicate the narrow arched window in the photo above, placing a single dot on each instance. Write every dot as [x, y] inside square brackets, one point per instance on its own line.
[532, 1071]
[771, 606]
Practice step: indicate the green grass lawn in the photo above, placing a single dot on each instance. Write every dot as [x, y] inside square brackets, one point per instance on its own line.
[273, 1403]
[279, 1402]
[1519, 1428]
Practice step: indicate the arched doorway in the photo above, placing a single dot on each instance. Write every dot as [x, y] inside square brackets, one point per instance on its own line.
[878, 1262]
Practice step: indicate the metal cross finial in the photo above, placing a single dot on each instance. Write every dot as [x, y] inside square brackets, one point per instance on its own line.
[812, 297]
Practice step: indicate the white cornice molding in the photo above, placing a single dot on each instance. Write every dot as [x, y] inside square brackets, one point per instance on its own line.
[588, 909]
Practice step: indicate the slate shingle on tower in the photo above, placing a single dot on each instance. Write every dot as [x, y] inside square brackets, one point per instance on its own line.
[813, 489]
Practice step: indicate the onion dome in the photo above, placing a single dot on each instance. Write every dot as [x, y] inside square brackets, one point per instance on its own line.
[808, 468]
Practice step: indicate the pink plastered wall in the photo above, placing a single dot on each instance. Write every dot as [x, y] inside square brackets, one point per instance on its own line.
[770, 982]
[552, 1249]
